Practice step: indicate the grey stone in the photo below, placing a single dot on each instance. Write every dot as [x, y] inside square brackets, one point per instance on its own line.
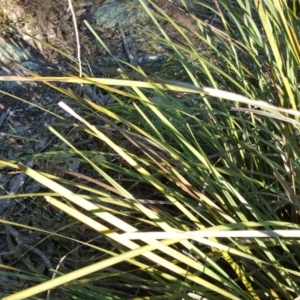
[151, 61]
[12, 54]
[31, 65]
[11, 51]
[114, 13]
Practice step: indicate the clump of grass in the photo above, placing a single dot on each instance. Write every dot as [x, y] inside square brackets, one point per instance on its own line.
[192, 182]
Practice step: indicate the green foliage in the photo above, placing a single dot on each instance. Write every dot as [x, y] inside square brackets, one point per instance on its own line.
[177, 157]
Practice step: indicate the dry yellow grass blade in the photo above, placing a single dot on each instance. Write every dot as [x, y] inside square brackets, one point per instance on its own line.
[170, 85]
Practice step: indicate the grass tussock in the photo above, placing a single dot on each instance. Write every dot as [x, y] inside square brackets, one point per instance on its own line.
[190, 185]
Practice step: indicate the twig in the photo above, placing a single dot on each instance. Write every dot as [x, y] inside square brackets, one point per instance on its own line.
[126, 47]
[77, 37]
[15, 184]
[13, 232]
[4, 116]
[6, 207]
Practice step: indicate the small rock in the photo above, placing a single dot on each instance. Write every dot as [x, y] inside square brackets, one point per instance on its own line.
[112, 14]
[152, 61]
[10, 51]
